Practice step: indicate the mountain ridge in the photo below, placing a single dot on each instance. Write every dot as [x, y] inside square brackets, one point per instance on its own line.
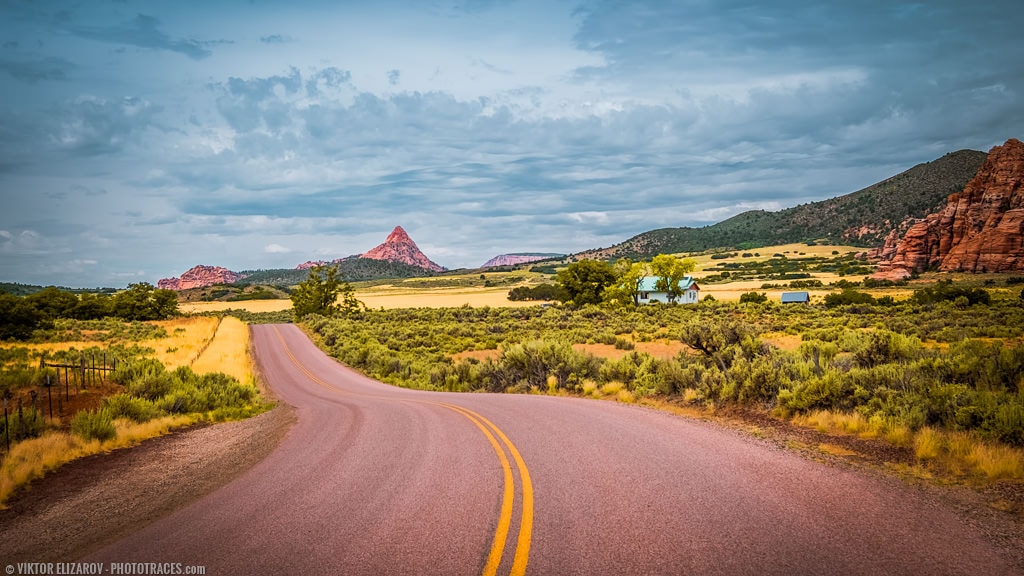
[861, 218]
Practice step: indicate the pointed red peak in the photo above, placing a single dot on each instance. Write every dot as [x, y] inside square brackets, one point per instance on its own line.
[399, 247]
[398, 235]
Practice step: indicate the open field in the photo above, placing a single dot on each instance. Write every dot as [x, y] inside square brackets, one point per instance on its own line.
[248, 305]
[228, 352]
[768, 252]
[390, 297]
[204, 344]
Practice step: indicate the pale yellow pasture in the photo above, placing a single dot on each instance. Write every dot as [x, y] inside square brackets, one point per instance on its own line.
[391, 297]
[247, 305]
[791, 251]
[228, 352]
[185, 339]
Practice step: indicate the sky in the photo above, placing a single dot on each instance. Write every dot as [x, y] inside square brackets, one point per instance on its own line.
[138, 138]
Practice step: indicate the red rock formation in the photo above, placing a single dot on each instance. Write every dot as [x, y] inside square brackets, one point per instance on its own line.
[398, 247]
[981, 229]
[311, 263]
[200, 276]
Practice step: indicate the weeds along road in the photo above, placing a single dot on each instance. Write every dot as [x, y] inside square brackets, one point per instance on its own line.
[374, 479]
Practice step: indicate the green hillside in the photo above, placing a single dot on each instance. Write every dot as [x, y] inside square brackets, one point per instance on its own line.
[352, 269]
[862, 218]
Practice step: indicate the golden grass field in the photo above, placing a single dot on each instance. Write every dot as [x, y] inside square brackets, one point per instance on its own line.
[207, 344]
[228, 352]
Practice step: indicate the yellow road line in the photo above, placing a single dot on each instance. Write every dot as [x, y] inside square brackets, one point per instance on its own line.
[522, 553]
[507, 500]
[316, 380]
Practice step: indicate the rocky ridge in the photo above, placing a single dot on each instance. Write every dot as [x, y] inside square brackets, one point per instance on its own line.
[515, 259]
[199, 277]
[399, 247]
[980, 229]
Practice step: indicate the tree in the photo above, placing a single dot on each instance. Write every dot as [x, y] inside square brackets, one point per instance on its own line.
[626, 288]
[320, 294]
[53, 303]
[753, 298]
[586, 280]
[143, 302]
[670, 271]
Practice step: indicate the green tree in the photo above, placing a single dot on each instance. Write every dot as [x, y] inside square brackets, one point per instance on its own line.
[18, 317]
[753, 298]
[324, 293]
[585, 281]
[53, 303]
[626, 288]
[670, 271]
[143, 302]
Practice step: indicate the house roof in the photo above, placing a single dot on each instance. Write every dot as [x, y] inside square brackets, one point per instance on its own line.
[647, 284]
[796, 297]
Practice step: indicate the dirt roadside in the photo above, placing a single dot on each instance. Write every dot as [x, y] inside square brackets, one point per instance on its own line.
[97, 499]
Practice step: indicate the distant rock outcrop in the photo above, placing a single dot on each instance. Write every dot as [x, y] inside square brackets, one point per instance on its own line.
[515, 259]
[313, 263]
[981, 229]
[199, 277]
[399, 247]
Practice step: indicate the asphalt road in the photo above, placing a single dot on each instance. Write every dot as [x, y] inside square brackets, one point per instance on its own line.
[374, 479]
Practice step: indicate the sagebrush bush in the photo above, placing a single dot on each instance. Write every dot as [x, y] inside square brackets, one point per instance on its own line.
[131, 407]
[93, 425]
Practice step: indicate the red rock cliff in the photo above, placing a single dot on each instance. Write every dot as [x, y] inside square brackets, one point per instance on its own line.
[981, 229]
[200, 276]
[399, 247]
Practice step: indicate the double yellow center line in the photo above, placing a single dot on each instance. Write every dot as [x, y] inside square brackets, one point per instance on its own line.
[522, 554]
[500, 443]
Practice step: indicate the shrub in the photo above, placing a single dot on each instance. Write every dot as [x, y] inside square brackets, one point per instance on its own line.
[130, 407]
[93, 425]
[753, 298]
[848, 296]
[29, 423]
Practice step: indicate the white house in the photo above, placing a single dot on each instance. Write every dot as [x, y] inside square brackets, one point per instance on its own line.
[648, 292]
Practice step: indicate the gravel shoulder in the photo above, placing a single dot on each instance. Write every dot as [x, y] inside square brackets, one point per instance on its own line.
[95, 500]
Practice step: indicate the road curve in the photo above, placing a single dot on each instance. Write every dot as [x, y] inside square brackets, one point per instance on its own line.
[374, 479]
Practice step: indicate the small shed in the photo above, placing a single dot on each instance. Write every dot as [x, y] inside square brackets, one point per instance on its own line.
[648, 291]
[796, 298]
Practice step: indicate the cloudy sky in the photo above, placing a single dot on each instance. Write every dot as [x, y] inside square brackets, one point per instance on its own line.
[138, 139]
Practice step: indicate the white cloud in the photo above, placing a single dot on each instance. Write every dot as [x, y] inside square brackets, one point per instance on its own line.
[276, 249]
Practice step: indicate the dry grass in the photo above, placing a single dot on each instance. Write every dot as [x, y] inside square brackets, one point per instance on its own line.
[958, 453]
[928, 443]
[398, 297]
[492, 354]
[31, 459]
[836, 450]
[997, 462]
[228, 352]
[205, 343]
[247, 305]
[186, 339]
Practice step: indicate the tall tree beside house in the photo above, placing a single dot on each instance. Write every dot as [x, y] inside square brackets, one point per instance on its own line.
[670, 271]
[586, 280]
[323, 293]
[626, 289]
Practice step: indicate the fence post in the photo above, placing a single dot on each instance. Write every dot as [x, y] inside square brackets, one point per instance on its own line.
[35, 410]
[49, 394]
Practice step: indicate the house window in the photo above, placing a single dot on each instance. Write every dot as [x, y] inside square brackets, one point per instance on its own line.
[643, 295]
